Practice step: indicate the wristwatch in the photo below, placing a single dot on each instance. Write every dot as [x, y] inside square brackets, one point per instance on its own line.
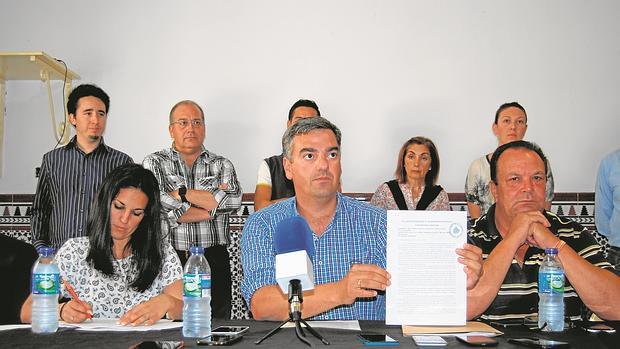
[182, 192]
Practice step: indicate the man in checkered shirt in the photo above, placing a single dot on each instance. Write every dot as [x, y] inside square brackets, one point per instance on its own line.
[199, 190]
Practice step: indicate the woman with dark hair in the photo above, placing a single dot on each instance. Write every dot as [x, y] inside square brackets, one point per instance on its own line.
[122, 269]
[414, 188]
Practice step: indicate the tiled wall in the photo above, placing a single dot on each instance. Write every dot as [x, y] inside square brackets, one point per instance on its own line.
[15, 221]
[15, 210]
[15, 215]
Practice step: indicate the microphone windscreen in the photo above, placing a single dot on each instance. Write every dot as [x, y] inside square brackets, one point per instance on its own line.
[294, 234]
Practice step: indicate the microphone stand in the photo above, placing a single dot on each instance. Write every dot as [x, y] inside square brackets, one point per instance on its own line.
[295, 298]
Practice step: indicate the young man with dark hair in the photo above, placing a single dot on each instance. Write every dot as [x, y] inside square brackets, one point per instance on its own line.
[272, 185]
[70, 175]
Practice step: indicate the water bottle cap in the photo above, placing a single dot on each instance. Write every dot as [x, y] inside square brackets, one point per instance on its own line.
[551, 250]
[196, 250]
[45, 251]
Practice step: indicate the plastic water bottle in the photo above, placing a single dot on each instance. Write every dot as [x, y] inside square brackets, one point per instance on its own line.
[551, 293]
[196, 295]
[45, 291]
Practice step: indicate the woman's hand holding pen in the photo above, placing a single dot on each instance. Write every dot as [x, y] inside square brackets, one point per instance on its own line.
[78, 311]
[75, 311]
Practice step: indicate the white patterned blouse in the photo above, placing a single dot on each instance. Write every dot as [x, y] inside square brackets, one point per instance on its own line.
[111, 296]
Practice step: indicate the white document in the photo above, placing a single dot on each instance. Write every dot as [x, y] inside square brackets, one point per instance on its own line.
[111, 325]
[13, 327]
[352, 325]
[428, 283]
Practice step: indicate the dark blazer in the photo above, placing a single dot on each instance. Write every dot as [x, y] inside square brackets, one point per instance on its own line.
[16, 261]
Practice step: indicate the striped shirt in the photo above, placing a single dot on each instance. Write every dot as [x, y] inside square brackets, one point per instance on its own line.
[357, 234]
[208, 172]
[68, 182]
[518, 294]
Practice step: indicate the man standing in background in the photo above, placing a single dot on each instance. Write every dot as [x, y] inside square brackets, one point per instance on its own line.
[199, 190]
[70, 176]
[272, 185]
[607, 205]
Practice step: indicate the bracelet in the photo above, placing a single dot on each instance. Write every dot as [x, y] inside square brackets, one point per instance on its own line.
[60, 312]
[559, 245]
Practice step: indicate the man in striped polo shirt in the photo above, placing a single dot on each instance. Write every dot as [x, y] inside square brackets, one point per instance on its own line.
[70, 175]
[513, 235]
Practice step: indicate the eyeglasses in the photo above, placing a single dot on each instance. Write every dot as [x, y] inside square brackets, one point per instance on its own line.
[183, 123]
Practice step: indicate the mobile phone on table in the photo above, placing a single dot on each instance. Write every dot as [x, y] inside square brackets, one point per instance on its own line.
[230, 330]
[508, 323]
[159, 345]
[429, 341]
[478, 341]
[539, 343]
[220, 339]
[594, 327]
[377, 339]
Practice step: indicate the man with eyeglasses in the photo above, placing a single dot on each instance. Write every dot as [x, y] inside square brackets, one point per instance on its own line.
[70, 175]
[199, 190]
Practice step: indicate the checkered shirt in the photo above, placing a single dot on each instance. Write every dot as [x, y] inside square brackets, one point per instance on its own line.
[357, 234]
[208, 172]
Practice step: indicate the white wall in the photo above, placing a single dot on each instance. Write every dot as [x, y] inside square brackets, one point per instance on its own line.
[383, 71]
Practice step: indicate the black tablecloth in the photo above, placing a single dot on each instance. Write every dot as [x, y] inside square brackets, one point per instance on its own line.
[285, 338]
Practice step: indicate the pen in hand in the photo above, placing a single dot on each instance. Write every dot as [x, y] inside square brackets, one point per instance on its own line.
[75, 296]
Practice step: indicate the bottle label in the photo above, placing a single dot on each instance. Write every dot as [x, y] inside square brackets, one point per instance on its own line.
[551, 283]
[196, 285]
[45, 283]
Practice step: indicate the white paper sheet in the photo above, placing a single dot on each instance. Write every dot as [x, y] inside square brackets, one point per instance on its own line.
[111, 325]
[352, 325]
[428, 283]
[13, 327]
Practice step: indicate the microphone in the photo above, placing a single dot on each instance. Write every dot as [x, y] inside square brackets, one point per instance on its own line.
[294, 247]
[294, 253]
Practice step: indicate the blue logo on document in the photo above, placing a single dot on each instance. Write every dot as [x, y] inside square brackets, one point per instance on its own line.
[456, 230]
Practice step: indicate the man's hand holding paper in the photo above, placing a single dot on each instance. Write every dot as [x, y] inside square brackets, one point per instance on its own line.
[431, 265]
[363, 281]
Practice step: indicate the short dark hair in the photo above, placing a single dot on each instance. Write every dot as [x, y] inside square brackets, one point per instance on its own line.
[515, 144]
[303, 103]
[145, 243]
[86, 90]
[509, 105]
[186, 102]
[304, 126]
[432, 174]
